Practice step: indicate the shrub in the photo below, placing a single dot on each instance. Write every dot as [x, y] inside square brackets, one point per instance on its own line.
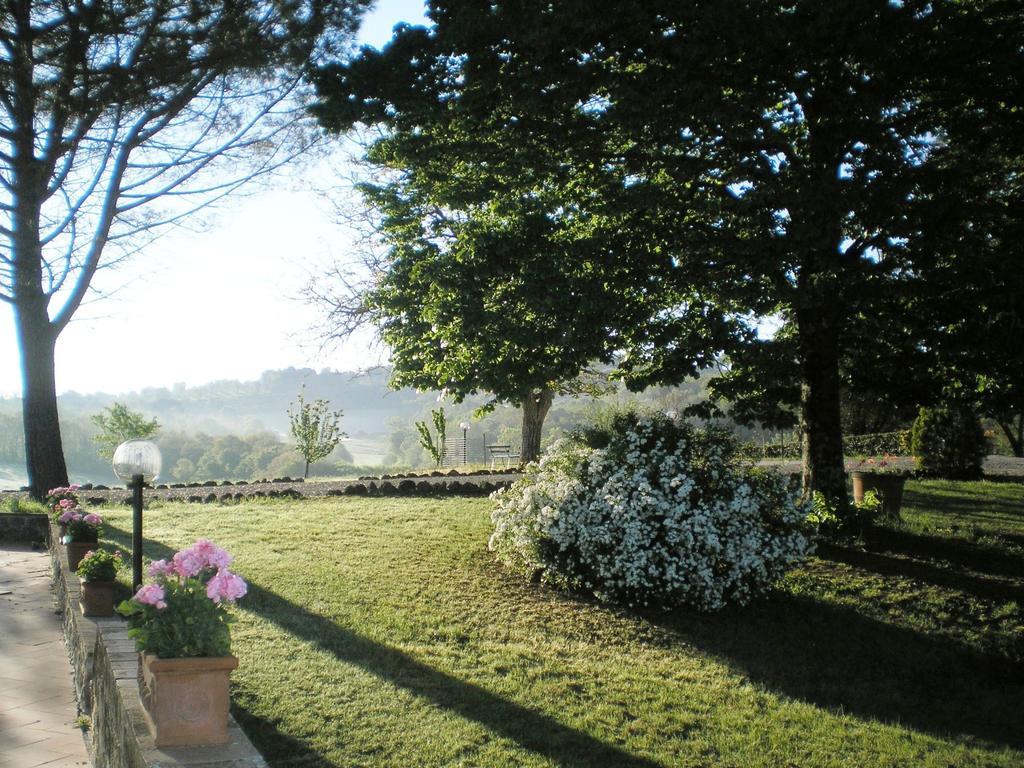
[949, 443]
[661, 514]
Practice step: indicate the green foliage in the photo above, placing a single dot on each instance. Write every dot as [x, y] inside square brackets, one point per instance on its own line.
[190, 625]
[18, 506]
[704, 167]
[315, 428]
[828, 524]
[119, 423]
[878, 444]
[434, 444]
[949, 442]
[823, 517]
[100, 565]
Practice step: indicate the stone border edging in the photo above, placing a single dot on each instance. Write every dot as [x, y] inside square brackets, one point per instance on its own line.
[105, 666]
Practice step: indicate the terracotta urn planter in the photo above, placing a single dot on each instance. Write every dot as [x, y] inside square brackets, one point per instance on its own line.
[77, 550]
[186, 700]
[888, 487]
[97, 598]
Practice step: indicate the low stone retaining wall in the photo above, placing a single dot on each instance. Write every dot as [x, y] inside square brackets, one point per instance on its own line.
[106, 671]
[29, 528]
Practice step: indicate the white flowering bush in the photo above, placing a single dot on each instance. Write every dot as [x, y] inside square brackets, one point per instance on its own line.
[658, 514]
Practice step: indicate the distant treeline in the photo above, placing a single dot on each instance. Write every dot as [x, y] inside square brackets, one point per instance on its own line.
[186, 456]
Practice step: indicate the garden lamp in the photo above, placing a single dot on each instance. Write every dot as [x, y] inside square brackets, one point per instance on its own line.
[137, 462]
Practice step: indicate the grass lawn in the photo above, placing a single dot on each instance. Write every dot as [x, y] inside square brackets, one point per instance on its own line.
[380, 632]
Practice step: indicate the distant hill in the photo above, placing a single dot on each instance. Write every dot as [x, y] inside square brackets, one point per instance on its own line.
[198, 424]
[242, 407]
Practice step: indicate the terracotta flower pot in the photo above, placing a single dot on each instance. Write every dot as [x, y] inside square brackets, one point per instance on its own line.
[186, 700]
[97, 598]
[888, 487]
[77, 550]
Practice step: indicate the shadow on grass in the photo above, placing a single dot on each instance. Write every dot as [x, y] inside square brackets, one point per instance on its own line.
[959, 552]
[965, 501]
[529, 728]
[829, 656]
[891, 565]
[840, 660]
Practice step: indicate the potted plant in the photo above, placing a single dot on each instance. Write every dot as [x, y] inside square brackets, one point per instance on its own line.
[181, 627]
[82, 531]
[885, 478]
[60, 500]
[98, 572]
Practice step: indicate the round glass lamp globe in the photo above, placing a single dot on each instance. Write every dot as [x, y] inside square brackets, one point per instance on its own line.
[137, 457]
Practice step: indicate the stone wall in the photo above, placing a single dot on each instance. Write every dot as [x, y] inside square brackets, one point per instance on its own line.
[106, 671]
[29, 528]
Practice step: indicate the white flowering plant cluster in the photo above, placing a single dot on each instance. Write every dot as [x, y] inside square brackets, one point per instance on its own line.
[660, 514]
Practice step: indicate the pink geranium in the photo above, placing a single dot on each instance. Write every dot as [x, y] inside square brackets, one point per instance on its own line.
[226, 586]
[66, 516]
[210, 554]
[195, 587]
[93, 519]
[187, 563]
[151, 594]
[160, 568]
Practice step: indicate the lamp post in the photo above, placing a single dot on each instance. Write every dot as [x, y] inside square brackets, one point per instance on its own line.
[465, 442]
[137, 462]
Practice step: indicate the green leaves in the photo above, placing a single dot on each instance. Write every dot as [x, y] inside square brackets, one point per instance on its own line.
[434, 444]
[191, 625]
[119, 423]
[315, 429]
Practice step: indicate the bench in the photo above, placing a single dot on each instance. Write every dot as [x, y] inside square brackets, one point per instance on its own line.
[502, 452]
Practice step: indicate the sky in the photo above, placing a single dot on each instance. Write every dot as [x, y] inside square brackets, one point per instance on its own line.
[220, 303]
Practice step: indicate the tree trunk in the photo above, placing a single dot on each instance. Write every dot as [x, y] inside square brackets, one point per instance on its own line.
[536, 404]
[820, 420]
[1014, 434]
[44, 450]
[37, 335]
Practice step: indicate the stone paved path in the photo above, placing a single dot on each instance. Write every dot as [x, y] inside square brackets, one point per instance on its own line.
[37, 699]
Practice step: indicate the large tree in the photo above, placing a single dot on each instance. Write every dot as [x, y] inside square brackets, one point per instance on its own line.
[499, 273]
[117, 118]
[476, 293]
[791, 159]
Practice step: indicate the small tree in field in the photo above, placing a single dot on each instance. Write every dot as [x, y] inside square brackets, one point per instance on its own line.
[315, 428]
[434, 444]
[119, 423]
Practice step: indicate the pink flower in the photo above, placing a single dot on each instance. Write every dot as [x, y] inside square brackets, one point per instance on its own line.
[210, 554]
[152, 594]
[66, 516]
[187, 563]
[66, 503]
[93, 519]
[160, 568]
[74, 487]
[226, 586]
